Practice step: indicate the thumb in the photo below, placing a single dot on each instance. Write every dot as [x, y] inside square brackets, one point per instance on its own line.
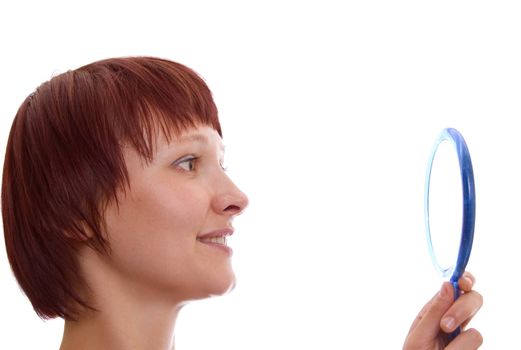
[428, 327]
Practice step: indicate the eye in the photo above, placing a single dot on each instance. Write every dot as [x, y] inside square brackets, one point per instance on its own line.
[186, 163]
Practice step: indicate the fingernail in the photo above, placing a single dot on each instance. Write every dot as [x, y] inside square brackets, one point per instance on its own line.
[469, 280]
[444, 290]
[448, 323]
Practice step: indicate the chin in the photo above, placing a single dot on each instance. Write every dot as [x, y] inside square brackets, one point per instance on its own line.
[223, 286]
[204, 283]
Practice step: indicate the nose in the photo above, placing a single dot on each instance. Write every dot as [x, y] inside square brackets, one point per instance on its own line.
[229, 200]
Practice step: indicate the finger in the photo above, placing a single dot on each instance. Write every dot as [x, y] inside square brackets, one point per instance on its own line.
[461, 311]
[466, 322]
[429, 324]
[471, 339]
[469, 275]
[422, 313]
[466, 282]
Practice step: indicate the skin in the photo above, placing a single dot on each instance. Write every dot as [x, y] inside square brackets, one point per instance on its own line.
[158, 263]
[429, 329]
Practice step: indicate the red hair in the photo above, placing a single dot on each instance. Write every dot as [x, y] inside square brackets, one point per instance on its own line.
[64, 162]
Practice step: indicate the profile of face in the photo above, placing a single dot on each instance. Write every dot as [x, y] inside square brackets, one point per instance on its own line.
[167, 232]
[113, 191]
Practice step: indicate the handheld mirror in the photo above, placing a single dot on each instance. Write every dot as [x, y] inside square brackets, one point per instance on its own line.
[450, 207]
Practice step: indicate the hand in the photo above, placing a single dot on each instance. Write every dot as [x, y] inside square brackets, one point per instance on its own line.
[430, 329]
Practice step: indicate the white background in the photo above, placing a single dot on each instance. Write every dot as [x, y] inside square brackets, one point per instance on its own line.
[329, 112]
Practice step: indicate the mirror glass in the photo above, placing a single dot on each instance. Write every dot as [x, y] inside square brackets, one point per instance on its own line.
[445, 207]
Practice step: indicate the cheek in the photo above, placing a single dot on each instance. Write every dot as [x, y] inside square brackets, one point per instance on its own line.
[153, 234]
[177, 210]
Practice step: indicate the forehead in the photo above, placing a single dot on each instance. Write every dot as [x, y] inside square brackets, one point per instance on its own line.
[198, 136]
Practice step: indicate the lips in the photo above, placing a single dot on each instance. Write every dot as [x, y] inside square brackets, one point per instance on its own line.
[216, 239]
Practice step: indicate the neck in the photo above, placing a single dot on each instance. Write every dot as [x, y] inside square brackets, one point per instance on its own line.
[128, 316]
[109, 332]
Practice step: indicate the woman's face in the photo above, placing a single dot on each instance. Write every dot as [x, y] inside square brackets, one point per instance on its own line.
[168, 231]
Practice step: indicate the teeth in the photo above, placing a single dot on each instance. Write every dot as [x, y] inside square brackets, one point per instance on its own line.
[217, 240]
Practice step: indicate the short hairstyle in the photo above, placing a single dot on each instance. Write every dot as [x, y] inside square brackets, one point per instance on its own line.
[64, 163]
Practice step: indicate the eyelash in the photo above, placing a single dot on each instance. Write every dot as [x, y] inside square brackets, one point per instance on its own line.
[193, 160]
[187, 159]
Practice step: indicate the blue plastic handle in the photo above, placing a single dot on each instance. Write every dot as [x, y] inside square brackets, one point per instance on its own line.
[469, 210]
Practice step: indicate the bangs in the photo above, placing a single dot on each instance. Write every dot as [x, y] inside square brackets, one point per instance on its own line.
[147, 96]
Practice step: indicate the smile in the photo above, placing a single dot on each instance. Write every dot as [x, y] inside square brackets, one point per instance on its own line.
[217, 240]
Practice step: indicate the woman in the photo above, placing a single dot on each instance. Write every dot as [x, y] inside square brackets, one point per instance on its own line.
[116, 207]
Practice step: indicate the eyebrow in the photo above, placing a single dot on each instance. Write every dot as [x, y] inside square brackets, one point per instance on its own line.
[194, 138]
[191, 138]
